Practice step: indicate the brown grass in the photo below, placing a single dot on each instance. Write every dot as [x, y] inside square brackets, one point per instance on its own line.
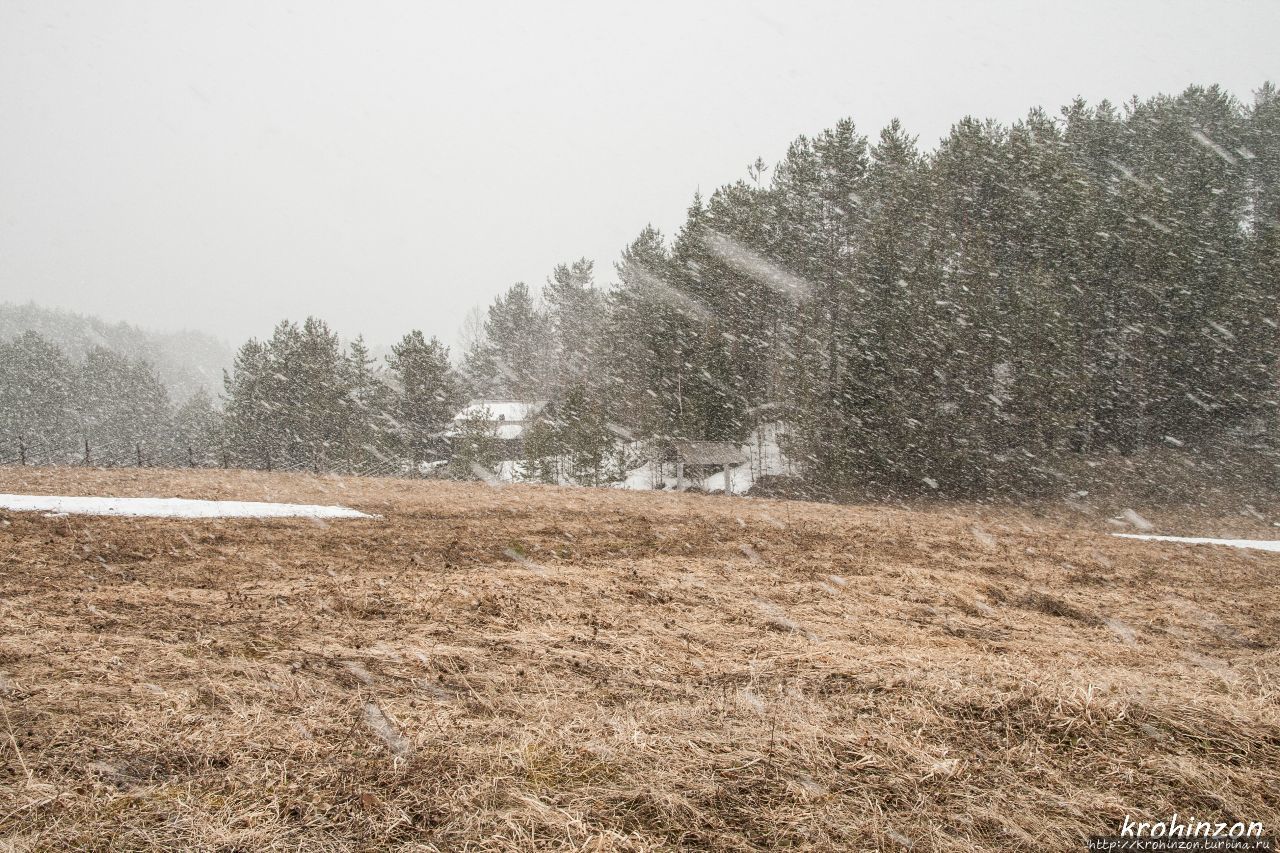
[535, 668]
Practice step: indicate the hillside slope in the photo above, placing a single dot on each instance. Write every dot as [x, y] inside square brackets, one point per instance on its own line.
[530, 667]
[185, 361]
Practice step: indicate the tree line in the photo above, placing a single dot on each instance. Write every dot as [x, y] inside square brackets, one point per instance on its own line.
[299, 400]
[961, 320]
[103, 409]
[957, 320]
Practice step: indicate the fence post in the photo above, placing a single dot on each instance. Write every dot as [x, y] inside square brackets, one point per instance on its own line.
[22, 451]
[225, 460]
[191, 457]
[268, 459]
[87, 459]
[138, 448]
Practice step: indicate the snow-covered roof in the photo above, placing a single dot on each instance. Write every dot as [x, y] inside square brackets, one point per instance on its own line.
[708, 452]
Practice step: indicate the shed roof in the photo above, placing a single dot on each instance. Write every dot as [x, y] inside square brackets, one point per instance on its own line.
[708, 452]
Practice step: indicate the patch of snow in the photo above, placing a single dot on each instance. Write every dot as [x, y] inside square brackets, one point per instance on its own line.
[715, 482]
[643, 477]
[171, 507]
[765, 451]
[1256, 544]
[508, 471]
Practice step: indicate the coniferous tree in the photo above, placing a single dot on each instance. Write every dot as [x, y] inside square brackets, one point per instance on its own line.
[250, 441]
[474, 446]
[646, 378]
[575, 315]
[512, 360]
[197, 431]
[37, 405]
[543, 452]
[372, 441]
[123, 409]
[585, 439]
[429, 394]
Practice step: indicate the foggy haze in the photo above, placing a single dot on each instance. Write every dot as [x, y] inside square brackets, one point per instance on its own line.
[392, 165]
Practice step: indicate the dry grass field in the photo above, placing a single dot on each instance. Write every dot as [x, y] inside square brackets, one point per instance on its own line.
[525, 668]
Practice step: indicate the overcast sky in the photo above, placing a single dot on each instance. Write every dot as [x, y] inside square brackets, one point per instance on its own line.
[388, 165]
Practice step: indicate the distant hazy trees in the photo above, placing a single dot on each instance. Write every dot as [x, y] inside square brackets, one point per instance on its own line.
[184, 361]
[197, 432]
[106, 408]
[37, 393]
[122, 409]
[298, 401]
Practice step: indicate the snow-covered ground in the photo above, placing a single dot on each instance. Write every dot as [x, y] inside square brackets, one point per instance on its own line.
[1256, 544]
[171, 507]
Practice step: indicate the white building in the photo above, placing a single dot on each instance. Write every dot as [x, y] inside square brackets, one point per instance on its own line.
[509, 419]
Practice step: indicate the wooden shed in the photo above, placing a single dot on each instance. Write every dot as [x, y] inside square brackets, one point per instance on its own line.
[704, 455]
